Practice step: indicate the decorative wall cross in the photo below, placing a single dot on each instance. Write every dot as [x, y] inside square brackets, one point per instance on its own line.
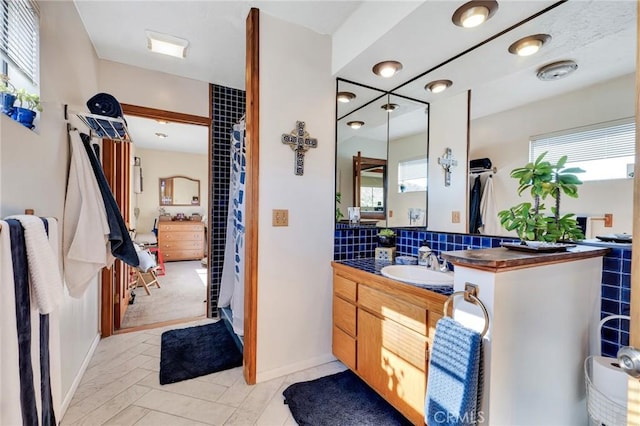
[299, 142]
[447, 162]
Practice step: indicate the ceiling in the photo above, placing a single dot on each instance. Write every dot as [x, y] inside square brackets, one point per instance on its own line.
[581, 30]
[188, 138]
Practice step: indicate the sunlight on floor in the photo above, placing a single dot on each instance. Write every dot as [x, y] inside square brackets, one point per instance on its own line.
[202, 273]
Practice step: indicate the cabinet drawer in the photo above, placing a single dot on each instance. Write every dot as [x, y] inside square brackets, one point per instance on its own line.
[383, 304]
[173, 236]
[181, 226]
[344, 347]
[344, 316]
[168, 256]
[344, 288]
[181, 245]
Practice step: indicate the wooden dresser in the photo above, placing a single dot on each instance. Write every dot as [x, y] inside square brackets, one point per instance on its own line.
[181, 240]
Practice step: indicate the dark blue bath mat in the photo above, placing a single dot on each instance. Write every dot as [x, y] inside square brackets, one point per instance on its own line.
[197, 351]
[341, 399]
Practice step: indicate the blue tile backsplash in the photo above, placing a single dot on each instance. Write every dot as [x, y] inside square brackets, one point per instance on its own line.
[351, 243]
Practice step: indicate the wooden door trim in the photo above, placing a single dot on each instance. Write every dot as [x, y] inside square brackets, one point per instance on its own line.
[252, 84]
[160, 114]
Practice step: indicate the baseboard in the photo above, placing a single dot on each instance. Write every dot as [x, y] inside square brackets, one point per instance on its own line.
[76, 382]
[292, 368]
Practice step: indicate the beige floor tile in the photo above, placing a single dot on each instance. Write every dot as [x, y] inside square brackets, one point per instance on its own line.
[185, 406]
[193, 388]
[127, 417]
[225, 378]
[153, 340]
[276, 412]
[290, 421]
[113, 406]
[152, 364]
[235, 394]
[115, 368]
[154, 418]
[151, 350]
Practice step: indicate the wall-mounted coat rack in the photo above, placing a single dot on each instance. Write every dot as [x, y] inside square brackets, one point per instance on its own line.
[102, 126]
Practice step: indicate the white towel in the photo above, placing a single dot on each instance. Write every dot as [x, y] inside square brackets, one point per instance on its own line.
[44, 275]
[86, 247]
[489, 211]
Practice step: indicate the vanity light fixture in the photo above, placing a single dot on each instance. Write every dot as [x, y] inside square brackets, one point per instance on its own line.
[355, 124]
[556, 70]
[389, 107]
[345, 97]
[161, 135]
[387, 69]
[438, 86]
[529, 45]
[474, 13]
[167, 44]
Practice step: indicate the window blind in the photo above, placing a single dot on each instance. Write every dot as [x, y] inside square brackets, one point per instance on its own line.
[19, 35]
[612, 139]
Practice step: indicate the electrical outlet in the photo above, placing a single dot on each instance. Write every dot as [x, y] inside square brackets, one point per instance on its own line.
[455, 216]
[280, 217]
[608, 220]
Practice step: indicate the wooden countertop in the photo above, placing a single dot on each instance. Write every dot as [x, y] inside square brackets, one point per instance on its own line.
[501, 259]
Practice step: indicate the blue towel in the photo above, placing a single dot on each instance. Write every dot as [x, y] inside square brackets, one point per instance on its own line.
[454, 375]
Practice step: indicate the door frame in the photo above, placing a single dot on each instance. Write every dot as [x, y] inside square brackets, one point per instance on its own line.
[106, 303]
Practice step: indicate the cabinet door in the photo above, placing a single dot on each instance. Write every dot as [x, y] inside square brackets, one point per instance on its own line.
[392, 359]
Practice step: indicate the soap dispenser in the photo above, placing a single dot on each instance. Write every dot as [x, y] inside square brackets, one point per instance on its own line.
[423, 254]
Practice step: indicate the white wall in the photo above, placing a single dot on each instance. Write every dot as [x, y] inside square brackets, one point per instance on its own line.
[34, 166]
[448, 129]
[504, 137]
[157, 164]
[294, 270]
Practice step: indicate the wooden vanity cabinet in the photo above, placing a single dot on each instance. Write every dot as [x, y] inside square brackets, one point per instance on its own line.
[181, 240]
[382, 330]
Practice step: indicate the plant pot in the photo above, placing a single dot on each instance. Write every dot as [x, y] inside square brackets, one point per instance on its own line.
[6, 103]
[24, 116]
[387, 241]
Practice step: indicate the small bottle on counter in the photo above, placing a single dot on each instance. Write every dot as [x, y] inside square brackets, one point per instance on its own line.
[423, 254]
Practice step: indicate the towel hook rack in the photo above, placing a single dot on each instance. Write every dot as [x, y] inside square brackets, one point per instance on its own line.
[475, 301]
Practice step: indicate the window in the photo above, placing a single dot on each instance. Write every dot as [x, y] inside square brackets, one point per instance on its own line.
[603, 150]
[412, 175]
[19, 41]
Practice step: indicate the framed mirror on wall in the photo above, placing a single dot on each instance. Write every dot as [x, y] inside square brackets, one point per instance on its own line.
[179, 191]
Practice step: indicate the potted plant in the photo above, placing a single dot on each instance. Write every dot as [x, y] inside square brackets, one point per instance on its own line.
[26, 112]
[339, 214]
[7, 95]
[387, 238]
[543, 179]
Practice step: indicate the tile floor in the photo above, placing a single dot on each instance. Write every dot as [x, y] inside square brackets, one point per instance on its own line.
[121, 387]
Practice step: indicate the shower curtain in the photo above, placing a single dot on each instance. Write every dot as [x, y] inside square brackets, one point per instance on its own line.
[232, 282]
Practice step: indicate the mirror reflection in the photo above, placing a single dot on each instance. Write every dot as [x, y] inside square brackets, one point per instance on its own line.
[179, 191]
[369, 186]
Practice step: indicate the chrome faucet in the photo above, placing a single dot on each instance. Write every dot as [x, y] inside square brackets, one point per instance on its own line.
[445, 266]
[433, 264]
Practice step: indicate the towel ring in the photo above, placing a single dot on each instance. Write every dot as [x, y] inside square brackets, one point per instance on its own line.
[476, 301]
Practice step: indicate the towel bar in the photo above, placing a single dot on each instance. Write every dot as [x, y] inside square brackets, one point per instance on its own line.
[476, 301]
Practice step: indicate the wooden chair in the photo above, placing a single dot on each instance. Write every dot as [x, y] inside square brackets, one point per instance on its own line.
[148, 266]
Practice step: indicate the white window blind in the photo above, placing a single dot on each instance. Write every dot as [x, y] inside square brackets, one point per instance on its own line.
[604, 151]
[19, 35]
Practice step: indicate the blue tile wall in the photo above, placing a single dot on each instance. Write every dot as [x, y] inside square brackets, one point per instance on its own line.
[228, 107]
[360, 243]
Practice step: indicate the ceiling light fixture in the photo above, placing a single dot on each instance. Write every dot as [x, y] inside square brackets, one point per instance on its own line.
[162, 122]
[474, 13]
[167, 44]
[161, 135]
[556, 70]
[438, 86]
[355, 124]
[387, 69]
[529, 45]
[345, 97]
[389, 107]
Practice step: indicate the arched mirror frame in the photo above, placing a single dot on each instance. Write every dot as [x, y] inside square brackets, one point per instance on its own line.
[162, 195]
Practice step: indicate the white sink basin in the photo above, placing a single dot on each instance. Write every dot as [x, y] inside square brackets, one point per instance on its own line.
[415, 274]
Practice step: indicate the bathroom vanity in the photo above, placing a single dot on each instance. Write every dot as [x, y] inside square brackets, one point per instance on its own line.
[544, 309]
[382, 330]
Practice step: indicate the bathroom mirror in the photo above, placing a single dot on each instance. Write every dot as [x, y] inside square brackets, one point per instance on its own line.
[179, 191]
[509, 104]
[369, 186]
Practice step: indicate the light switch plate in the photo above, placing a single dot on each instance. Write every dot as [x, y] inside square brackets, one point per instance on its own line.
[455, 216]
[280, 217]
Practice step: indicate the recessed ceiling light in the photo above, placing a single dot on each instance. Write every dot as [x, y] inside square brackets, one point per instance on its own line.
[161, 135]
[387, 69]
[355, 124]
[389, 107]
[556, 70]
[438, 86]
[162, 121]
[345, 97]
[474, 13]
[529, 45]
[167, 44]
